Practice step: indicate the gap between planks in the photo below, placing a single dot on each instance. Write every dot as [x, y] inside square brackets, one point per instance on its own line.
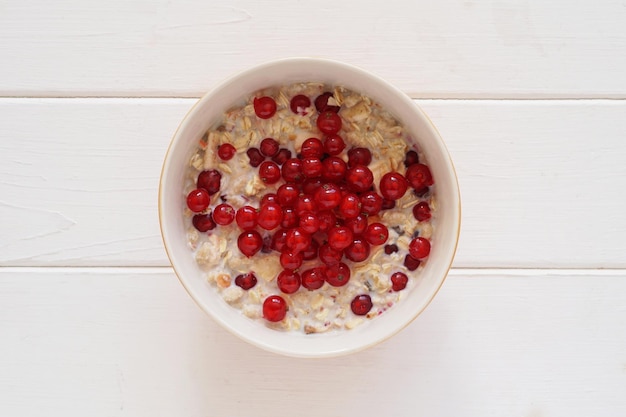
[478, 271]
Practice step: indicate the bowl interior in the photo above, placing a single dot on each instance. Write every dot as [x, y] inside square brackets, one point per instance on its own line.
[210, 108]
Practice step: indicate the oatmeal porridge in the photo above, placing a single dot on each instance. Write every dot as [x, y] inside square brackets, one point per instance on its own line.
[309, 209]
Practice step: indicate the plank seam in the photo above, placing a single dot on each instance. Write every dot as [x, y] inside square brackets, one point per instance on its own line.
[453, 271]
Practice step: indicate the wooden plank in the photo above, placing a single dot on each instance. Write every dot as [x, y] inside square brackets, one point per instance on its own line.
[449, 48]
[539, 180]
[108, 342]
[80, 178]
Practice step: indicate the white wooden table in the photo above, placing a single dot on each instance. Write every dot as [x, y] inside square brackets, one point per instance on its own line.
[530, 96]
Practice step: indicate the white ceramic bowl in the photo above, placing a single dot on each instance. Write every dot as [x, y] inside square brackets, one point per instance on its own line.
[210, 108]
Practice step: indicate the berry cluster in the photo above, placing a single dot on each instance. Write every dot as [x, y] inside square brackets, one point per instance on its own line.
[322, 209]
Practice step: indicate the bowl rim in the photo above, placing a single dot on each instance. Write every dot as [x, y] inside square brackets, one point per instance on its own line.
[400, 94]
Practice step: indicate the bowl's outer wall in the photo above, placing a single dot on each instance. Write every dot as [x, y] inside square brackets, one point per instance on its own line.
[209, 110]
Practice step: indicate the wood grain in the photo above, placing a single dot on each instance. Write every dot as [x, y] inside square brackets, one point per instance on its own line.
[530, 97]
[108, 342]
[540, 180]
[449, 48]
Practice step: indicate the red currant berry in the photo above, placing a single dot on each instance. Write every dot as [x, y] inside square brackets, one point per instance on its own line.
[344, 188]
[312, 148]
[223, 214]
[292, 170]
[309, 222]
[246, 281]
[269, 147]
[340, 237]
[264, 107]
[305, 203]
[313, 279]
[279, 240]
[203, 222]
[270, 216]
[388, 204]
[376, 234]
[290, 260]
[359, 178]
[269, 172]
[288, 281]
[358, 251]
[411, 263]
[269, 198]
[311, 252]
[419, 248]
[371, 203]
[274, 308]
[329, 255]
[399, 281]
[298, 240]
[299, 104]
[321, 103]
[310, 185]
[290, 218]
[359, 156]
[312, 167]
[287, 195]
[210, 181]
[249, 242]
[334, 169]
[350, 206]
[226, 151]
[361, 304]
[327, 220]
[421, 211]
[267, 244]
[255, 157]
[328, 196]
[411, 158]
[419, 176]
[282, 156]
[357, 224]
[393, 185]
[389, 249]
[337, 275]
[198, 200]
[246, 218]
[329, 122]
[334, 144]
[421, 192]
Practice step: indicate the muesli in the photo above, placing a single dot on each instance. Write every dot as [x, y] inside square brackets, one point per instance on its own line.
[309, 208]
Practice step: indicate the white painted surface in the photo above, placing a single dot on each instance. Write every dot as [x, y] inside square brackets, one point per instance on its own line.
[109, 342]
[542, 184]
[78, 182]
[447, 48]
